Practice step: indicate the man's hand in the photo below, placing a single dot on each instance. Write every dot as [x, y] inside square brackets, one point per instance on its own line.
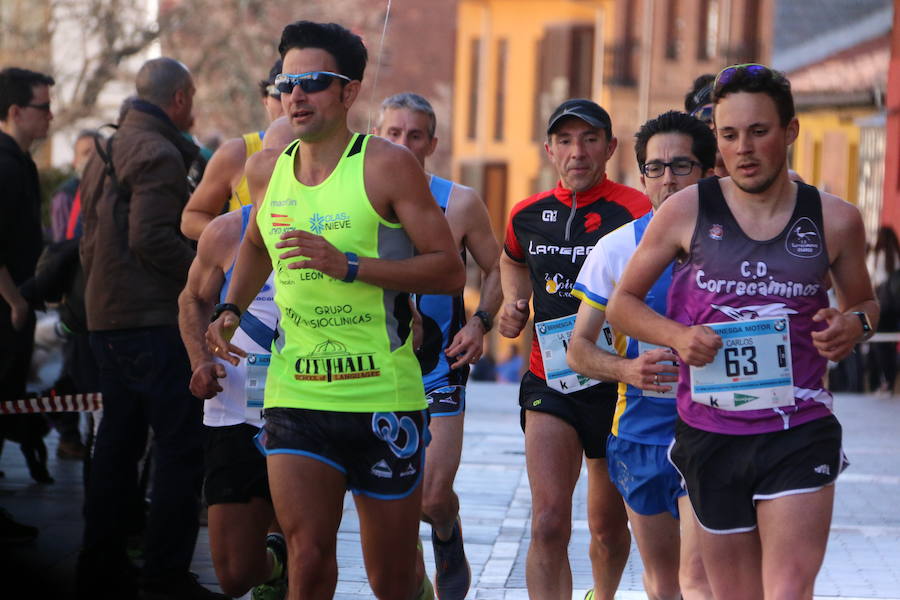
[513, 317]
[467, 345]
[205, 380]
[218, 335]
[698, 345]
[646, 373]
[837, 340]
[19, 314]
[319, 253]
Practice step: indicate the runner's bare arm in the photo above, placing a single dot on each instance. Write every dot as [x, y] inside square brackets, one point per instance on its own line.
[583, 356]
[516, 284]
[667, 237]
[253, 263]
[195, 304]
[398, 191]
[468, 216]
[221, 174]
[845, 240]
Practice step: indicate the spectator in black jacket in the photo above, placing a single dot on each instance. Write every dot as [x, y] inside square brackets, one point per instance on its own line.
[25, 117]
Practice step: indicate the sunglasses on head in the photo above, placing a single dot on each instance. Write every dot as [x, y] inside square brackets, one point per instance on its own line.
[727, 74]
[704, 113]
[310, 83]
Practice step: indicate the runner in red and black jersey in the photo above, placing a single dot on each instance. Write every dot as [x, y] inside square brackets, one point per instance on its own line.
[565, 415]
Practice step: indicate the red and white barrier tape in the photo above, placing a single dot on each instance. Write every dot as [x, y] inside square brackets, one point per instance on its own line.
[51, 404]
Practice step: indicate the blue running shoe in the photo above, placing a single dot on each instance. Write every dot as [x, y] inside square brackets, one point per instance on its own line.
[453, 575]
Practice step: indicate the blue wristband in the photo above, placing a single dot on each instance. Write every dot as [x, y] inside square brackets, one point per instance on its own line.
[352, 267]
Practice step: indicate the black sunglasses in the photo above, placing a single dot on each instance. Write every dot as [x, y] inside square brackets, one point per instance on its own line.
[44, 107]
[310, 83]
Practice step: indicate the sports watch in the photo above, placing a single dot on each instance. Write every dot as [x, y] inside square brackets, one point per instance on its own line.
[867, 330]
[220, 308]
[486, 321]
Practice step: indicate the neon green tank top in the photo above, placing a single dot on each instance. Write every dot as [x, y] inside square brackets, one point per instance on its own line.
[340, 346]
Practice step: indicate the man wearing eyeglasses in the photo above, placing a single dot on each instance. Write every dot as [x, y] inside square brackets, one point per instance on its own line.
[564, 415]
[349, 227]
[224, 185]
[673, 151]
[25, 117]
[756, 441]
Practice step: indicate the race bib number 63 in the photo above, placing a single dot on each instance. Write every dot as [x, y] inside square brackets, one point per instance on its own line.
[751, 371]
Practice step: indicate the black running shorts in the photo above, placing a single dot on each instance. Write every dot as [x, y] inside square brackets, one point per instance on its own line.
[382, 454]
[725, 475]
[235, 468]
[589, 411]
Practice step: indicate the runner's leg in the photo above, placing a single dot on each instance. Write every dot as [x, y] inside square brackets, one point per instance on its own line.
[308, 498]
[389, 530]
[440, 504]
[608, 522]
[794, 532]
[553, 457]
[658, 542]
[692, 575]
[732, 562]
[237, 534]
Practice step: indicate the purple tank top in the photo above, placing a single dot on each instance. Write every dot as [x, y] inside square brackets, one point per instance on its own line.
[729, 276]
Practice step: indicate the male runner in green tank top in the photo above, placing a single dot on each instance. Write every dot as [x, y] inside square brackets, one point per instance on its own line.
[347, 223]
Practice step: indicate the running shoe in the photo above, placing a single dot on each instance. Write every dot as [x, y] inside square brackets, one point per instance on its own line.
[453, 575]
[276, 588]
[589, 595]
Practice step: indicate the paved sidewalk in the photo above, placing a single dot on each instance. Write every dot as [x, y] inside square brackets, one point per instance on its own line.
[862, 561]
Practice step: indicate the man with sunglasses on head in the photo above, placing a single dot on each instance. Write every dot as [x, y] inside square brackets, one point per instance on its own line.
[673, 151]
[756, 441]
[565, 416]
[224, 185]
[349, 227]
[450, 342]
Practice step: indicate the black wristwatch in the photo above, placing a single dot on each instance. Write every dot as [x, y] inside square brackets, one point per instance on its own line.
[486, 321]
[867, 330]
[220, 308]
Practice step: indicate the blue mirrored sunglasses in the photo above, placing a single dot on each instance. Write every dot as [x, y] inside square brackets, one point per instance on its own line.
[727, 74]
[310, 83]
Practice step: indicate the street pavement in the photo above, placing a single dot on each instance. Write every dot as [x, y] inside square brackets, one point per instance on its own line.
[862, 560]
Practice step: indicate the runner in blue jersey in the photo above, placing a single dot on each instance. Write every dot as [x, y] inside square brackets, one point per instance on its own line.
[756, 442]
[673, 151]
[450, 342]
[236, 486]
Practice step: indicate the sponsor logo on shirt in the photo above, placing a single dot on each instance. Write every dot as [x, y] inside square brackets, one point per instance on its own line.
[319, 223]
[331, 361]
[592, 222]
[803, 239]
[551, 249]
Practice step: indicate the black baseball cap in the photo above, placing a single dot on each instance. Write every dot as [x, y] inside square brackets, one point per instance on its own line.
[588, 111]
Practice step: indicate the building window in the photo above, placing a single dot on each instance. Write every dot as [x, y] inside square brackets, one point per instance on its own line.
[474, 79]
[673, 24]
[708, 30]
[750, 49]
[500, 93]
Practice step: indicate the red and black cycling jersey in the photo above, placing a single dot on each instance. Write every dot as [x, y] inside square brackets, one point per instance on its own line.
[553, 238]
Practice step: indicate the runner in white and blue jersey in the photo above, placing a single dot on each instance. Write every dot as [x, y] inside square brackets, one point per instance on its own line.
[236, 485]
[673, 151]
[450, 342]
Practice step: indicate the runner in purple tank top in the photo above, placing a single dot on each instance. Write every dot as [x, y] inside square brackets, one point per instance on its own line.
[756, 443]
